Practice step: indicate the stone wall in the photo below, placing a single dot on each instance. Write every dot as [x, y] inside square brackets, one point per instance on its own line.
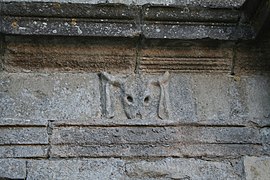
[136, 107]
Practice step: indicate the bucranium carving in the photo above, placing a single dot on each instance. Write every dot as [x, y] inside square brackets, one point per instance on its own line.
[135, 94]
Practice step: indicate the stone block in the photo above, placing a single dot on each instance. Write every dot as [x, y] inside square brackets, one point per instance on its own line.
[69, 54]
[257, 168]
[185, 56]
[171, 168]
[24, 151]
[49, 96]
[258, 97]
[204, 3]
[156, 150]
[23, 135]
[12, 169]
[153, 135]
[22, 122]
[76, 169]
[219, 99]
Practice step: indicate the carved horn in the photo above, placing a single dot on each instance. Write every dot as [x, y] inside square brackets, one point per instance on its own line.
[163, 109]
[107, 81]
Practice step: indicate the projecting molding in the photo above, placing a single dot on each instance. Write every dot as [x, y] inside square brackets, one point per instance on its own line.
[172, 20]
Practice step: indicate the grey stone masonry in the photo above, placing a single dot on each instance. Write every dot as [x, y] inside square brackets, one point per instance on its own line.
[135, 89]
[151, 19]
[257, 168]
[169, 168]
[49, 96]
[34, 98]
[12, 168]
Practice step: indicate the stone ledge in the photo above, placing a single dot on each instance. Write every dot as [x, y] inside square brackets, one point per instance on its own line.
[177, 21]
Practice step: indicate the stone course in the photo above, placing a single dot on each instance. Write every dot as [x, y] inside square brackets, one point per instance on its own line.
[134, 89]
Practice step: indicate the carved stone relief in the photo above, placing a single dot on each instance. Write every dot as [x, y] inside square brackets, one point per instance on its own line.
[137, 95]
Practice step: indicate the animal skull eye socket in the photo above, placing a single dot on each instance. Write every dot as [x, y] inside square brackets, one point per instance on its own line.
[146, 99]
[129, 99]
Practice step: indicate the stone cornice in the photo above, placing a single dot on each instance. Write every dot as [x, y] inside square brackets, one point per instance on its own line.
[121, 20]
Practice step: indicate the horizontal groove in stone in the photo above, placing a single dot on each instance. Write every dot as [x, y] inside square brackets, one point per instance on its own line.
[184, 64]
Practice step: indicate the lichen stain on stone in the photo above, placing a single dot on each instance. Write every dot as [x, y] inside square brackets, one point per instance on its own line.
[73, 22]
[57, 5]
[14, 24]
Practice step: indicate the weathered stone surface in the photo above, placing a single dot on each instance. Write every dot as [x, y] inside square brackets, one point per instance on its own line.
[258, 97]
[204, 3]
[154, 135]
[23, 135]
[257, 168]
[12, 168]
[49, 96]
[171, 168]
[185, 20]
[69, 54]
[76, 169]
[186, 56]
[253, 57]
[22, 122]
[24, 151]
[43, 18]
[265, 135]
[190, 100]
[219, 99]
[157, 150]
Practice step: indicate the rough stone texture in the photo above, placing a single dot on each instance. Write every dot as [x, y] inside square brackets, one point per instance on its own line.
[12, 168]
[22, 122]
[224, 102]
[34, 98]
[181, 169]
[257, 168]
[177, 20]
[154, 135]
[265, 135]
[157, 150]
[21, 135]
[49, 96]
[134, 89]
[69, 54]
[253, 57]
[76, 169]
[24, 151]
[211, 3]
[258, 97]
[169, 168]
[186, 56]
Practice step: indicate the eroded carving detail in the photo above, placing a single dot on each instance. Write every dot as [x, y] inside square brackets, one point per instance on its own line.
[135, 95]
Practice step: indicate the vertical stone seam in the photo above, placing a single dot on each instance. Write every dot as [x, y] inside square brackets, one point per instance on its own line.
[139, 42]
[49, 132]
[26, 170]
